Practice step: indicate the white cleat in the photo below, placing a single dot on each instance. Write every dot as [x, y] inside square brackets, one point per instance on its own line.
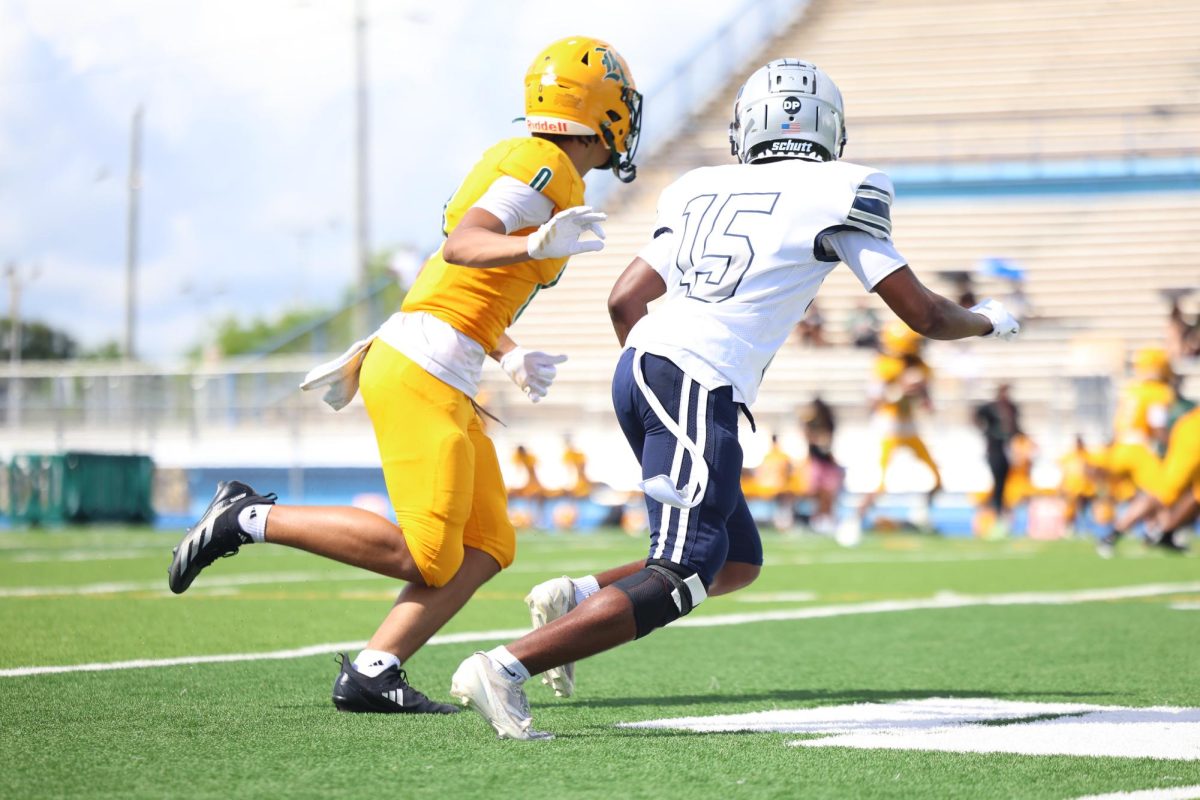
[503, 703]
[547, 602]
[849, 533]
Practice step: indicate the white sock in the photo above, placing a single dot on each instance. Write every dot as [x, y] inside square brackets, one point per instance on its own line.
[585, 587]
[507, 665]
[373, 662]
[253, 520]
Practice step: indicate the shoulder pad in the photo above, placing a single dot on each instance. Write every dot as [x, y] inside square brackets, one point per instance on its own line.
[546, 168]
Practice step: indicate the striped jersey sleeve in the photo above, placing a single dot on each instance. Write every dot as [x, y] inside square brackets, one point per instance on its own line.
[871, 210]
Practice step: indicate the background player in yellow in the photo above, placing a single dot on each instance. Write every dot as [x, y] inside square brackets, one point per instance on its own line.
[1078, 484]
[1139, 430]
[900, 384]
[1174, 488]
[575, 460]
[510, 228]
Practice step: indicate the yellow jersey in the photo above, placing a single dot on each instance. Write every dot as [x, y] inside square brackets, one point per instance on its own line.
[576, 461]
[483, 302]
[1141, 408]
[775, 471]
[1076, 473]
[894, 378]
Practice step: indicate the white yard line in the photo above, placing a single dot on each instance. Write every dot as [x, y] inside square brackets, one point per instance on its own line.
[273, 655]
[1176, 793]
[944, 600]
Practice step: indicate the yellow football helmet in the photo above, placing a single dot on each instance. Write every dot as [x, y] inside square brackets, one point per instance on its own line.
[900, 340]
[580, 86]
[1153, 363]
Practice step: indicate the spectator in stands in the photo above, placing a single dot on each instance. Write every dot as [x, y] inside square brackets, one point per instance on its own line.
[825, 475]
[1000, 421]
[863, 326]
[810, 331]
[964, 290]
[1017, 301]
[1183, 337]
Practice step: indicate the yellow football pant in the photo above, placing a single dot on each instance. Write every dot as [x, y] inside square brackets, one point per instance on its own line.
[1181, 466]
[441, 469]
[913, 443]
[1135, 462]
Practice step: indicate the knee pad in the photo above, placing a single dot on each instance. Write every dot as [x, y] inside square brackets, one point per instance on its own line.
[661, 593]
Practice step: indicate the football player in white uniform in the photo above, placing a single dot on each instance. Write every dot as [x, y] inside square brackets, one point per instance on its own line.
[739, 252]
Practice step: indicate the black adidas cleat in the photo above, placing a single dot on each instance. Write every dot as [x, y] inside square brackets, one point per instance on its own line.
[386, 693]
[217, 534]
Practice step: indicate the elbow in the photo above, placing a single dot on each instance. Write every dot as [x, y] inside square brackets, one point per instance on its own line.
[617, 306]
[451, 252]
[928, 321]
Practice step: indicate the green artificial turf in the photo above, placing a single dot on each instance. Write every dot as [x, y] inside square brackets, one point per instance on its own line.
[267, 729]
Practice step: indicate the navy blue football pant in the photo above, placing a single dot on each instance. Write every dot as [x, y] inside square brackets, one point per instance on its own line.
[720, 528]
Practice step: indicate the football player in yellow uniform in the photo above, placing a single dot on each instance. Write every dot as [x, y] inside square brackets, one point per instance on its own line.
[1078, 485]
[1018, 485]
[510, 228]
[774, 477]
[901, 383]
[1175, 487]
[1139, 429]
[575, 460]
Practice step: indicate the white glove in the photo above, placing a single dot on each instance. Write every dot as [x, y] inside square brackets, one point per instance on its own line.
[532, 370]
[559, 237]
[1004, 324]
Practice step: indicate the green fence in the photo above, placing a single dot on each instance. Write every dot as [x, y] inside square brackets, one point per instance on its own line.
[80, 487]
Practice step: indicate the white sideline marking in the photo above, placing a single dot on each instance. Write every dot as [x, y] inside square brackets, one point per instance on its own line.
[1176, 793]
[775, 597]
[944, 600]
[249, 579]
[81, 555]
[895, 557]
[975, 725]
[1185, 606]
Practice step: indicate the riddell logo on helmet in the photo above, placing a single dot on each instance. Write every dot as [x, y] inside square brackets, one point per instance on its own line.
[545, 126]
[790, 146]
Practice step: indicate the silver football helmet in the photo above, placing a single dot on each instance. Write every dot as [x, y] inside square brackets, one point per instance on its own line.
[788, 109]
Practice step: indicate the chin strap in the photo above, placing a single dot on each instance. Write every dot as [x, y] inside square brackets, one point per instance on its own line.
[661, 487]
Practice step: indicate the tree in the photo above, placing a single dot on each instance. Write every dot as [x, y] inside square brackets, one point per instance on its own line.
[313, 329]
[38, 342]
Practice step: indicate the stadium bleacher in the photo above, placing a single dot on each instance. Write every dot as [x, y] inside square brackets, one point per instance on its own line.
[1120, 82]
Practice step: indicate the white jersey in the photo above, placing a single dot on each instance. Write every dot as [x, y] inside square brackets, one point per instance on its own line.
[743, 250]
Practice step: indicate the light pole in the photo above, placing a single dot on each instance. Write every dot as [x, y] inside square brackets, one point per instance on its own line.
[131, 230]
[362, 312]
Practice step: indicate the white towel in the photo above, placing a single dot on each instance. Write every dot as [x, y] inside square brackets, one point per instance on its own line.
[340, 375]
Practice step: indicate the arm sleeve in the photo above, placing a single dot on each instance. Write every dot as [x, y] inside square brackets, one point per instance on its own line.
[869, 258]
[659, 251]
[871, 210]
[515, 204]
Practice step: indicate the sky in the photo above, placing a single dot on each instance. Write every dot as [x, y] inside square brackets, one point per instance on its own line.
[247, 190]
